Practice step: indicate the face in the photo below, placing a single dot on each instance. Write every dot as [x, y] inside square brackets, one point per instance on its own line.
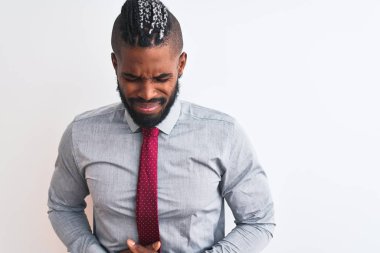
[148, 81]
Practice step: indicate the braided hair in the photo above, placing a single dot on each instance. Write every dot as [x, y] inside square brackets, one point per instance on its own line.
[146, 23]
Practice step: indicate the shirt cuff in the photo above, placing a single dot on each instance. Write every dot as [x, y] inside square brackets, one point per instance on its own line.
[95, 248]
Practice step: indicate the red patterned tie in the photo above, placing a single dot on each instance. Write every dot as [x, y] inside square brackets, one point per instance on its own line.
[146, 199]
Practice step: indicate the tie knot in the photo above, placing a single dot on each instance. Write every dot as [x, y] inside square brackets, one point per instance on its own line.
[150, 131]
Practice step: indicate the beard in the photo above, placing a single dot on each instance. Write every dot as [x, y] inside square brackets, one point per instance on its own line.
[144, 120]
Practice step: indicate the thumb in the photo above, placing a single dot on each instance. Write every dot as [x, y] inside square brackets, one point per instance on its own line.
[156, 246]
[131, 245]
[137, 248]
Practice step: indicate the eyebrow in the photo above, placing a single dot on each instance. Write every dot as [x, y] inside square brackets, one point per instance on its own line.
[160, 76]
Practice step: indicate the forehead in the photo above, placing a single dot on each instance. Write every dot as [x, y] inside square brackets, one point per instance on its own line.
[147, 56]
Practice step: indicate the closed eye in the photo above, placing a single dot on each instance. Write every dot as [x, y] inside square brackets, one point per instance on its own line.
[163, 77]
[161, 80]
[130, 77]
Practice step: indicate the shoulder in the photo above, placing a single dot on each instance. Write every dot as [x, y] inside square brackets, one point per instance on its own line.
[201, 113]
[199, 116]
[99, 113]
[99, 121]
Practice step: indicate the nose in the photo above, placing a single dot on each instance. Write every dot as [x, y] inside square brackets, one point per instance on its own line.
[147, 90]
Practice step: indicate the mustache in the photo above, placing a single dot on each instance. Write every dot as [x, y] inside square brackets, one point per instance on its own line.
[160, 100]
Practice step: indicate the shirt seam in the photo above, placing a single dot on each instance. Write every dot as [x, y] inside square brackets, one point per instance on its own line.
[73, 151]
[206, 118]
[96, 115]
[210, 110]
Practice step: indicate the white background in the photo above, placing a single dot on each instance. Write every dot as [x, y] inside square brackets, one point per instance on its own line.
[301, 76]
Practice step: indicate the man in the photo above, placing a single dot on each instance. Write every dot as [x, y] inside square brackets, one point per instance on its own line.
[158, 169]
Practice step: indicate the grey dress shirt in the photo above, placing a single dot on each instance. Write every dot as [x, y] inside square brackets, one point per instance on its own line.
[204, 158]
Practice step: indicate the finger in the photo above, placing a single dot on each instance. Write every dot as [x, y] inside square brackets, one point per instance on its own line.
[137, 248]
[131, 245]
[154, 246]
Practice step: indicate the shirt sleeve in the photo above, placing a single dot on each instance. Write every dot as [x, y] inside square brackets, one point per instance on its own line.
[245, 187]
[66, 202]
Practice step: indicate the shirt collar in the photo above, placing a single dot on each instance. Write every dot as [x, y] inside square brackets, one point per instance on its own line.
[165, 126]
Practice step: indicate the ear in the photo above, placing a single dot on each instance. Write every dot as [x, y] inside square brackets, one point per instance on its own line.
[114, 61]
[182, 63]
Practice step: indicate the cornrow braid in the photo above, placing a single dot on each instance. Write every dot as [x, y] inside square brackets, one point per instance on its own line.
[146, 23]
